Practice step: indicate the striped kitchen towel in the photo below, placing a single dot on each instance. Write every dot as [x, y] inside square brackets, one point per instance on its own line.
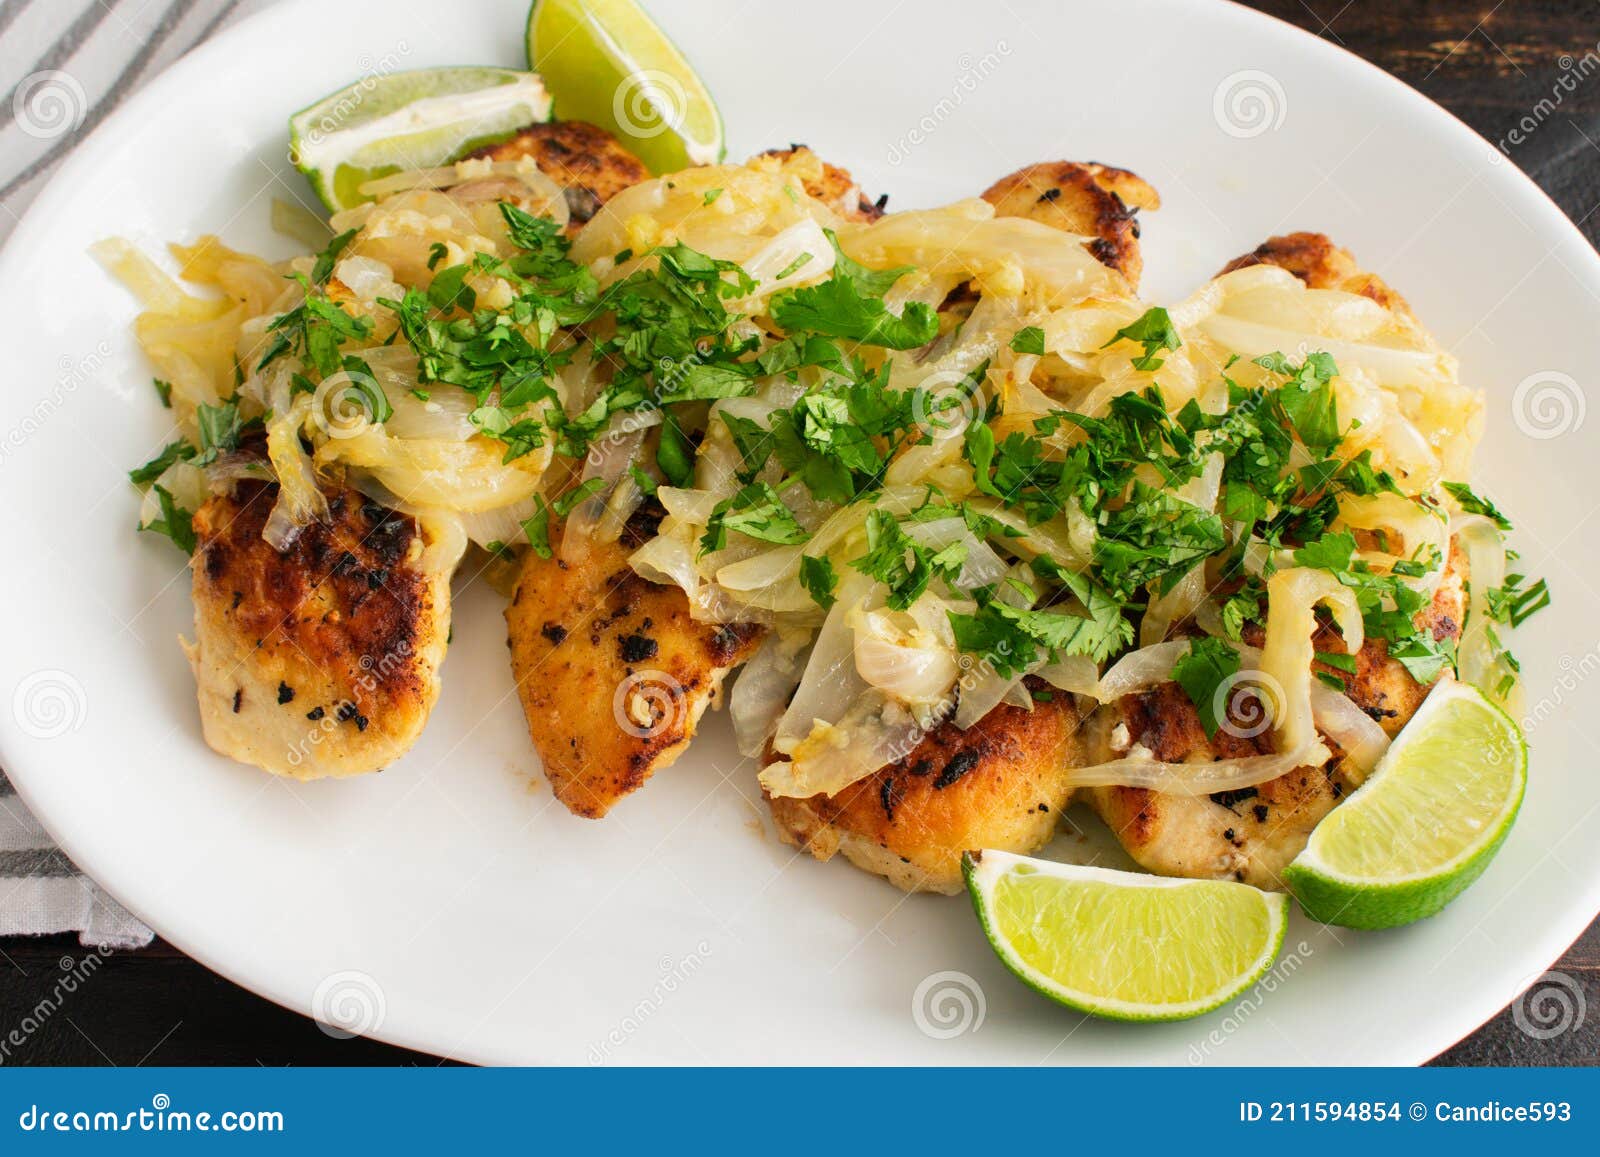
[67, 64]
[42, 892]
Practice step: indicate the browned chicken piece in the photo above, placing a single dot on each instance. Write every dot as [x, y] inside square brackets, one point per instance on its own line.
[587, 162]
[1094, 200]
[323, 660]
[831, 185]
[1251, 834]
[1321, 264]
[999, 784]
[612, 671]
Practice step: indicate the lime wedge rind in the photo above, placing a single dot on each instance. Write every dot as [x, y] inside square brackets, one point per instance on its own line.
[985, 870]
[1459, 748]
[403, 120]
[608, 63]
[1327, 899]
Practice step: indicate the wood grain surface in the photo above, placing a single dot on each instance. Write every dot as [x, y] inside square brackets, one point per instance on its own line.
[1499, 67]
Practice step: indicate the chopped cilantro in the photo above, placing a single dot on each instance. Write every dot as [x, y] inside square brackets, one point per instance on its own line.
[1338, 661]
[1242, 607]
[177, 451]
[1473, 504]
[674, 454]
[1512, 603]
[1153, 330]
[1154, 537]
[1009, 638]
[756, 511]
[537, 528]
[175, 522]
[850, 305]
[1307, 398]
[314, 329]
[646, 484]
[1423, 656]
[819, 579]
[322, 267]
[795, 266]
[220, 426]
[1029, 340]
[898, 561]
[564, 505]
[1205, 668]
[1330, 552]
[449, 290]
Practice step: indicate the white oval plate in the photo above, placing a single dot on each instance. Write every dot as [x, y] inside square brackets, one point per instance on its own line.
[448, 904]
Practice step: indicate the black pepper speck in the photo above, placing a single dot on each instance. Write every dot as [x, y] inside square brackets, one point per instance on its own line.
[637, 648]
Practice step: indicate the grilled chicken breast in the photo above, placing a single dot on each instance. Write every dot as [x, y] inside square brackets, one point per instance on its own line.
[1251, 834]
[910, 822]
[587, 162]
[612, 671]
[998, 784]
[1094, 200]
[322, 660]
[1321, 264]
[831, 185]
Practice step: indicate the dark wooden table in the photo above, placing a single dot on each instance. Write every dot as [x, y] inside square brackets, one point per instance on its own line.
[1489, 63]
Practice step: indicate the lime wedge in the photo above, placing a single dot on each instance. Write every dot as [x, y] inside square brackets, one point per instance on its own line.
[1425, 824]
[607, 63]
[1121, 944]
[408, 120]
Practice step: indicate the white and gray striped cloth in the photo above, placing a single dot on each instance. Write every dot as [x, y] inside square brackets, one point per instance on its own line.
[66, 65]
